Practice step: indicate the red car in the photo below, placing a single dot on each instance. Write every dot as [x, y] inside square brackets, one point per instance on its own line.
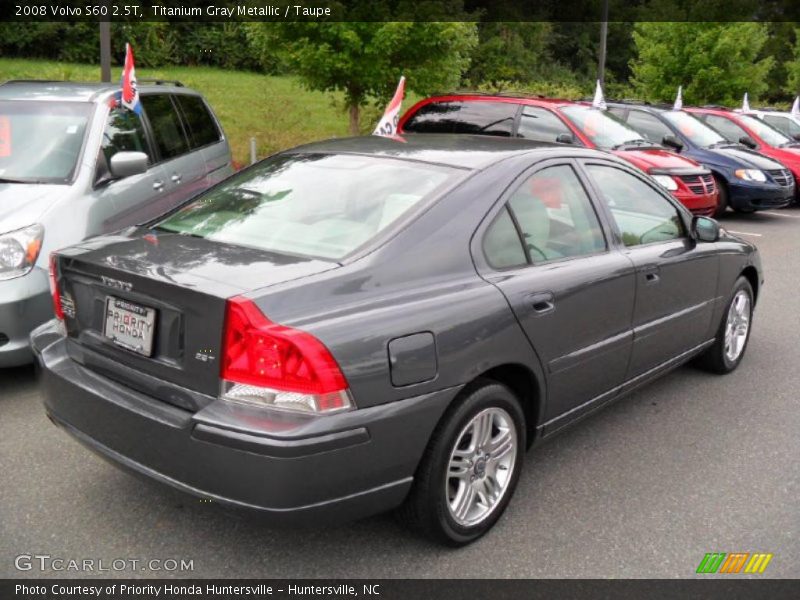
[565, 122]
[754, 133]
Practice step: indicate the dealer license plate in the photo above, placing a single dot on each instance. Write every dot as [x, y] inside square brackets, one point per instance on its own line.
[130, 325]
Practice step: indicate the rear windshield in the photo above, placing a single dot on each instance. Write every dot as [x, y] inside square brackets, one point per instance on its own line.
[320, 205]
[40, 142]
[478, 118]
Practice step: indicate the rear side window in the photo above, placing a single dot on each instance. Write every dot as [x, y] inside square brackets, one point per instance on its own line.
[501, 244]
[480, 118]
[168, 133]
[124, 133]
[541, 125]
[202, 127]
[555, 216]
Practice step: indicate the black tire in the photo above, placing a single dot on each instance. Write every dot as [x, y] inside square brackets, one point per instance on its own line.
[426, 508]
[715, 359]
[744, 211]
[722, 201]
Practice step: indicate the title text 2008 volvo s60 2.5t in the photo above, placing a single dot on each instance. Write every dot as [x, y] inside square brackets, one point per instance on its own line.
[363, 324]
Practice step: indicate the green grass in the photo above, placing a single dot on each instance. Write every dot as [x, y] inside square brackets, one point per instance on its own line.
[277, 111]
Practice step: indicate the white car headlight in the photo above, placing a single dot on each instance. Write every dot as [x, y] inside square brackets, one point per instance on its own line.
[666, 181]
[750, 175]
[19, 250]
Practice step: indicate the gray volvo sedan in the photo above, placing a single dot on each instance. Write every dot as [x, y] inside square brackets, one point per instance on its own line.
[364, 324]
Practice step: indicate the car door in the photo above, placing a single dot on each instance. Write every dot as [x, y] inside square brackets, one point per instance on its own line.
[119, 203]
[184, 169]
[540, 124]
[676, 278]
[571, 292]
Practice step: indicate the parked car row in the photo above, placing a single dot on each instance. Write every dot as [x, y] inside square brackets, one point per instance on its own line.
[366, 324]
[721, 159]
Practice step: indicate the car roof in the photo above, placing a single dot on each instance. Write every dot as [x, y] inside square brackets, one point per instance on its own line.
[451, 149]
[645, 106]
[510, 98]
[77, 91]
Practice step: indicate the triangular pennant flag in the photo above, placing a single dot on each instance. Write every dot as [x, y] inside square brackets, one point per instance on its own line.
[387, 126]
[745, 104]
[678, 99]
[796, 107]
[599, 101]
[130, 91]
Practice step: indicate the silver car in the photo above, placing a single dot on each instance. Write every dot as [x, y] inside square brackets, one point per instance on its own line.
[73, 165]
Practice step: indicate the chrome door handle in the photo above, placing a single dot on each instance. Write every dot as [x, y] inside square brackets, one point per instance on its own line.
[158, 185]
[176, 178]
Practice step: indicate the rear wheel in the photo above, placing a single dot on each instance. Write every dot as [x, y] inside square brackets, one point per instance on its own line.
[470, 468]
[722, 198]
[734, 331]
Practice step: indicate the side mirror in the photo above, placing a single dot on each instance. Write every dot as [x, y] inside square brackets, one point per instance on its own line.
[670, 141]
[565, 138]
[125, 164]
[747, 141]
[796, 136]
[705, 229]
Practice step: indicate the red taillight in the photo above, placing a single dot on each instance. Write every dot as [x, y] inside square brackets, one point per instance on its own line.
[260, 353]
[54, 290]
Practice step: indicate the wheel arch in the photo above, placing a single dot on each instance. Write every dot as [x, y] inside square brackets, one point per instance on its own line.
[751, 274]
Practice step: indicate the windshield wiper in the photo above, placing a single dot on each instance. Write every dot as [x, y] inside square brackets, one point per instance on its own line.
[12, 180]
[636, 142]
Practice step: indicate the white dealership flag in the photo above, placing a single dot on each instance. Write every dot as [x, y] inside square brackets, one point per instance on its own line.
[599, 101]
[678, 99]
[796, 107]
[387, 126]
[745, 103]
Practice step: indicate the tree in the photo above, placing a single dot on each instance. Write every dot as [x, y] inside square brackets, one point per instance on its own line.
[793, 67]
[510, 52]
[365, 60]
[714, 62]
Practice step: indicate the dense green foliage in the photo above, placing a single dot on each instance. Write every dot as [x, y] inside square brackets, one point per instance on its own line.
[715, 62]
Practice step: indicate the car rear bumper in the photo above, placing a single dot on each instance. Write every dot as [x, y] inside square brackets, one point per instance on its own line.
[25, 303]
[295, 468]
[759, 197]
[699, 204]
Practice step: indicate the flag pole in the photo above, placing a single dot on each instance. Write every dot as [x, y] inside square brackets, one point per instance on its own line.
[105, 51]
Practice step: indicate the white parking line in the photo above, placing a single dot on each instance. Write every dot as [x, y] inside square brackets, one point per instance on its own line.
[745, 233]
[777, 214]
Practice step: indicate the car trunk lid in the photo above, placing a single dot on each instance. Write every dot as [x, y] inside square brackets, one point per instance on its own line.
[162, 297]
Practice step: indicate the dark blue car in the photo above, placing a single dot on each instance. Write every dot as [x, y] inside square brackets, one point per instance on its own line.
[747, 180]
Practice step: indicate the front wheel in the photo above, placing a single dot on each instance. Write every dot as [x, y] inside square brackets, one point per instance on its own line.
[734, 331]
[470, 468]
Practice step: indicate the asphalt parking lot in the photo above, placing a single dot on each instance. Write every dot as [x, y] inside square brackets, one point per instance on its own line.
[695, 463]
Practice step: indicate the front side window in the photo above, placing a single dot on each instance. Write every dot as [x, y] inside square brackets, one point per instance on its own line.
[123, 133]
[555, 216]
[642, 215]
[478, 118]
[202, 128]
[541, 125]
[693, 128]
[648, 125]
[604, 129]
[319, 205]
[41, 141]
[168, 133]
